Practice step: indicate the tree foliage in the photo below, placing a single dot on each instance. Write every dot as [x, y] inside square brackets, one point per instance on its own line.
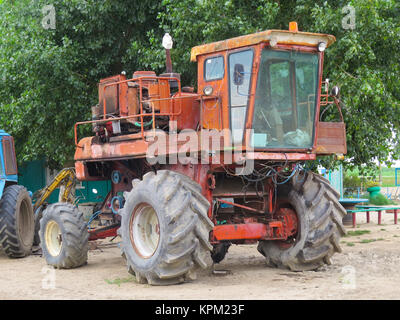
[48, 77]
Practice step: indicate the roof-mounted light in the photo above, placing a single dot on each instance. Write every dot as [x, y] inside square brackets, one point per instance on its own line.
[273, 41]
[321, 46]
[293, 26]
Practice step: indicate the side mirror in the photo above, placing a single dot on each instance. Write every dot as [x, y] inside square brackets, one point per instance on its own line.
[335, 91]
[238, 74]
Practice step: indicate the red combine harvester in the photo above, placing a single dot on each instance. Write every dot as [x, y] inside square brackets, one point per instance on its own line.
[193, 173]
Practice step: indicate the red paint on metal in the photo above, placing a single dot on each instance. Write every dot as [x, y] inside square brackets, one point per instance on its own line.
[289, 219]
[240, 231]
[103, 233]
[273, 230]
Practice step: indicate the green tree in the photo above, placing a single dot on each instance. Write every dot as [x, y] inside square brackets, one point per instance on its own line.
[49, 76]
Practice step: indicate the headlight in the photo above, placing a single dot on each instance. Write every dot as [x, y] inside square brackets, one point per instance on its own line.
[208, 90]
[321, 46]
[335, 91]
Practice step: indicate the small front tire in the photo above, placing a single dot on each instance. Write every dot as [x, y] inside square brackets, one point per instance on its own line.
[64, 236]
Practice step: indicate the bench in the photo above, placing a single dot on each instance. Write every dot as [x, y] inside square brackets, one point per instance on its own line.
[368, 208]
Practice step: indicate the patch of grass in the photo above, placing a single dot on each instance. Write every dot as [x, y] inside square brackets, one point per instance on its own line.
[383, 229]
[367, 240]
[119, 281]
[356, 233]
[370, 240]
[350, 244]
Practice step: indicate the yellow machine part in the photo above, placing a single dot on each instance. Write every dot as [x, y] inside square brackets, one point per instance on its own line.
[66, 180]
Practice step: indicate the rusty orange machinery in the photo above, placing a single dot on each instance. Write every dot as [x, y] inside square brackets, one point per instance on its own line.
[127, 98]
[145, 97]
[129, 111]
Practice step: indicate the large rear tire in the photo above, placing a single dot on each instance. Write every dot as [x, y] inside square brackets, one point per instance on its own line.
[17, 225]
[64, 236]
[320, 226]
[165, 228]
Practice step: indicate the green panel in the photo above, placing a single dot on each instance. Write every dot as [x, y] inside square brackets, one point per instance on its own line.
[102, 187]
[54, 196]
[32, 175]
[86, 193]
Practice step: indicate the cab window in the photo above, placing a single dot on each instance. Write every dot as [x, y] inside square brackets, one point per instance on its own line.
[214, 68]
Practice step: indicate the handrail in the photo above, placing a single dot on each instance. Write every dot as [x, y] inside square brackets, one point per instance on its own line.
[140, 79]
[328, 102]
[141, 115]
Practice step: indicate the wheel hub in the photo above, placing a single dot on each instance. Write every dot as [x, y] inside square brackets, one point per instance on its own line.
[144, 230]
[53, 238]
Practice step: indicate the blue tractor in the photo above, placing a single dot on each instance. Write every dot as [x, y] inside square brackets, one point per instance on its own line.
[17, 222]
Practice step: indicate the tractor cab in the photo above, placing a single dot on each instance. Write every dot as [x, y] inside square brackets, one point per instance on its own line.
[8, 161]
[285, 101]
[270, 82]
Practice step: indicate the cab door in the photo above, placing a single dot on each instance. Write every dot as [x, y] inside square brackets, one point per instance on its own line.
[240, 64]
[212, 71]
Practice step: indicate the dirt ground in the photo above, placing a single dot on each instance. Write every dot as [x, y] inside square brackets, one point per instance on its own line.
[368, 268]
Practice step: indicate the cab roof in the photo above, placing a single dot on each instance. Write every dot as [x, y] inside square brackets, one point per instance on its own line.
[278, 36]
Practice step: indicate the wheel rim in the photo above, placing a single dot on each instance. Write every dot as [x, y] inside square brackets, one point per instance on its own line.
[144, 229]
[53, 238]
[24, 223]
